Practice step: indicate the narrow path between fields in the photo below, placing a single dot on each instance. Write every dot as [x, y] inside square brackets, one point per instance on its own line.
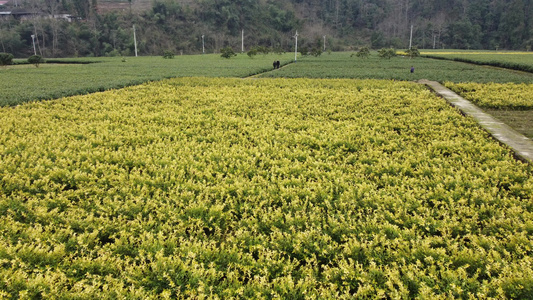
[268, 71]
[521, 145]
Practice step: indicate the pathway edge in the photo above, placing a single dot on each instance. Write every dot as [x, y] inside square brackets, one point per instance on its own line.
[521, 145]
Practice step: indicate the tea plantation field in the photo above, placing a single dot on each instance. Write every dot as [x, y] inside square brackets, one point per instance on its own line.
[23, 83]
[260, 188]
[522, 61]
[328, 185]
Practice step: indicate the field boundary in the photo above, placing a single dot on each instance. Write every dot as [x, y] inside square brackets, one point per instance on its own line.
[283, 65]
[497, 64]
[520, 144]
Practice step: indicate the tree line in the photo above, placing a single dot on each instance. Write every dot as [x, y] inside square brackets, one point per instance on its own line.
[178, 25]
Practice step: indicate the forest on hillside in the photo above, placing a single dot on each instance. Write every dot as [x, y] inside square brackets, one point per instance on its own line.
[178, 25]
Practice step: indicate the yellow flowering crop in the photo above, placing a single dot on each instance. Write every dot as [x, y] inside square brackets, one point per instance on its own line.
[496, 95]
[259, 189]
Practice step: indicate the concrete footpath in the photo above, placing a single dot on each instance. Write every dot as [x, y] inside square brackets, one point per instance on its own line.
[521, 145]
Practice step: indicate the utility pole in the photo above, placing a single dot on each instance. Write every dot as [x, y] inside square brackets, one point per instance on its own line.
[203, 45]
[33, 41]
[324, 43]
[296, 46]
[242, 39]
[135, 40]
[411, 38]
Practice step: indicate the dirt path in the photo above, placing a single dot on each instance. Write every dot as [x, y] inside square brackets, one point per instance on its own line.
[271, 70]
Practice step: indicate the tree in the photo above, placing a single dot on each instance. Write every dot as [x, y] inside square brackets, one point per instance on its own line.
[227, 52]
[168, 54]
[316, 51]
[387, 53]
[364, 52]
[413, 52]
[252, 53]
[36, 60]
[463, 35]
[6, 59]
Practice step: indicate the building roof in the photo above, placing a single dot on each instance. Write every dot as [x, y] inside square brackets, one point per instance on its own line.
[3, 2]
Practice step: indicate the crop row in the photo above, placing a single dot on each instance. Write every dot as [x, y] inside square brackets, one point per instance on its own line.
[345, 65]
[264, 188]
[75, 76]
[520, 61]
[496, 95]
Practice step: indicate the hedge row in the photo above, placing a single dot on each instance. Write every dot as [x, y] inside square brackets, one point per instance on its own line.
[494, 63]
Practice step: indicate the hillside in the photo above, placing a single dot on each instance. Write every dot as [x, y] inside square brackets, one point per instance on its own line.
[178, 25]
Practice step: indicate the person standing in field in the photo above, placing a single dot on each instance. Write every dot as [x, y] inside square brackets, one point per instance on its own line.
[412, 69]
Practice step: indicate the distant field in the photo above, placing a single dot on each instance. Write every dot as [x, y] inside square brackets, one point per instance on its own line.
[26, 83]
[341, 65]
[505, 59]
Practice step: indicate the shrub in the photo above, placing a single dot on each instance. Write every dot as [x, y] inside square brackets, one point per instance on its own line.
[6, 59]
[364, 52]
[263, 50]
[252, 52]
[227, 52]
[316, 52]
[168, 54]
[304, 51]
[36, 60]
[413, 52]
[258, 49]
[387, 53]
[278, 50]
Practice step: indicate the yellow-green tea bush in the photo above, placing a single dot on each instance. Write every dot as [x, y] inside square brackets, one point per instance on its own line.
[496, 95]
[260, 189]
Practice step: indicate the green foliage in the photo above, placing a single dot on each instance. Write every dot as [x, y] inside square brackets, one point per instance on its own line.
[103, 73]
[339, 65]
[258, 50]
[413, 52]
[316, 52]
[227, 52]
[304, 50]
[96, 74]
[35, 60]
[508, 60]
[468, 24]
[252, 52]
[278, 50]
[237, 189]
[364, 52]
[6, 59]
[508, 96]
[387, 53]
[168, 54]
[263, 50]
